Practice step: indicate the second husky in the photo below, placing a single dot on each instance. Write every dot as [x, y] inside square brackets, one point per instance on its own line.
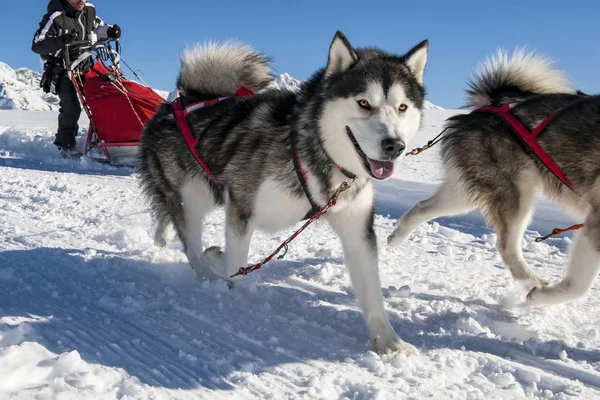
[487, 168]
[278, 154]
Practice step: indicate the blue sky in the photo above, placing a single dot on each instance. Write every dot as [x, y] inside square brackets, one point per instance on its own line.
[297, 34]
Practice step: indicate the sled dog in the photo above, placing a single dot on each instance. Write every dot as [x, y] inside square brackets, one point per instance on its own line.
[487, 168]
[351, 121]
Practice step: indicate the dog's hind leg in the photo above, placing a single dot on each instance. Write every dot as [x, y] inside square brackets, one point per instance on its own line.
[450, 199]
[509, 208]
[238, 234]
[196, 202]
[582, 270]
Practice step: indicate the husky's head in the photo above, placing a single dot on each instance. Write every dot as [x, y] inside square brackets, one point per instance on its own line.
[372, 106]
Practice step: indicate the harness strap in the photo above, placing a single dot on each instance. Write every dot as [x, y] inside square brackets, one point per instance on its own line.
[530, 138]
[184, 129]
[182, 112]
[302, 177]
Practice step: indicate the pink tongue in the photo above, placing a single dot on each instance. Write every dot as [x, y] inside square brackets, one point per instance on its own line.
[382, 169]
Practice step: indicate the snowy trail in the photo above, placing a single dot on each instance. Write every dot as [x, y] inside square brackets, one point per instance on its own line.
[90, 308]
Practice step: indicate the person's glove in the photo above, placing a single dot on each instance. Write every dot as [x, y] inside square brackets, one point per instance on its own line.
[114, 32]
[68, 38]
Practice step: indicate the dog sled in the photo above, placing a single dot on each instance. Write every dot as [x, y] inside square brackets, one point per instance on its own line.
[117, 108]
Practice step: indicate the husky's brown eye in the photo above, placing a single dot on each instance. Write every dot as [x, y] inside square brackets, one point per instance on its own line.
[364, 104]
[402, 107]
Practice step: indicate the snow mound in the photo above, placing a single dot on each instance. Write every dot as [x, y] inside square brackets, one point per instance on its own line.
[20, 90]
[286, 82]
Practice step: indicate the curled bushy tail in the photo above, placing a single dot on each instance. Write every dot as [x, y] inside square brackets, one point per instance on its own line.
[525, 73]
[220, 69]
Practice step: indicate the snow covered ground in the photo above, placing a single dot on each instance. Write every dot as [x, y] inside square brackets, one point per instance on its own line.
[91, 309]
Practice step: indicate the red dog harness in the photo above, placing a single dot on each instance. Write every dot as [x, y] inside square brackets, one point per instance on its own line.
[530, 138]
[182, 112]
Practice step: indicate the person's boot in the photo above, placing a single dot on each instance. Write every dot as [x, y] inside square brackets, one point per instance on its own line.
[68, 150]
[70, 153]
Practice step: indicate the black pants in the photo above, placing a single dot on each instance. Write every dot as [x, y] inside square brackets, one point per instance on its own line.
[69, 113]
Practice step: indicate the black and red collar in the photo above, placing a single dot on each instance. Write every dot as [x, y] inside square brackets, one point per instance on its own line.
[303, 175]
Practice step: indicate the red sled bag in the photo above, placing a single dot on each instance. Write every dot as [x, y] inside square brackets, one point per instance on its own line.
[120, 108]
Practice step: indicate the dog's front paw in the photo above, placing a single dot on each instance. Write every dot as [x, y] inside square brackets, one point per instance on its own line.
[398, 237]
[544, 295]
[542, 282]
[536, 296]
[388, 341]
[211, 261]
[392, 344]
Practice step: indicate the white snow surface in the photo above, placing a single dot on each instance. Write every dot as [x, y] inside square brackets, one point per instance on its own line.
[91, 309]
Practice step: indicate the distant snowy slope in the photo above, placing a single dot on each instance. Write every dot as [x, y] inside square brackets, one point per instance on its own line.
[430, 106]
[286, 81]
[20, 90]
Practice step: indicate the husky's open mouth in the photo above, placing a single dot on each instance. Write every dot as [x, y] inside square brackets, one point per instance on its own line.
[377, 169]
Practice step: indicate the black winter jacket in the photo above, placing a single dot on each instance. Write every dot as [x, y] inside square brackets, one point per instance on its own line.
[61, 19]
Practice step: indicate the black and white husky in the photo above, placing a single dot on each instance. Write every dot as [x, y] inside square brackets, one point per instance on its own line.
[355, 117]
[487, 168]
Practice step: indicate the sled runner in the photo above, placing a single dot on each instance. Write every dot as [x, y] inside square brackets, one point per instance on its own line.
[117, 108]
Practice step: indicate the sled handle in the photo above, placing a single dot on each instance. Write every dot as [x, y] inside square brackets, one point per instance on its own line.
[79, 43]
[90, 51]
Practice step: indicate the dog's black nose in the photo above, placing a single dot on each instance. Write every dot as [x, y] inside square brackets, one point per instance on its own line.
[392, 148]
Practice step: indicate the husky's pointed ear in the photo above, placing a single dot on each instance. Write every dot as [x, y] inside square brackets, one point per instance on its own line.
[416, 59]
[341, 55]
